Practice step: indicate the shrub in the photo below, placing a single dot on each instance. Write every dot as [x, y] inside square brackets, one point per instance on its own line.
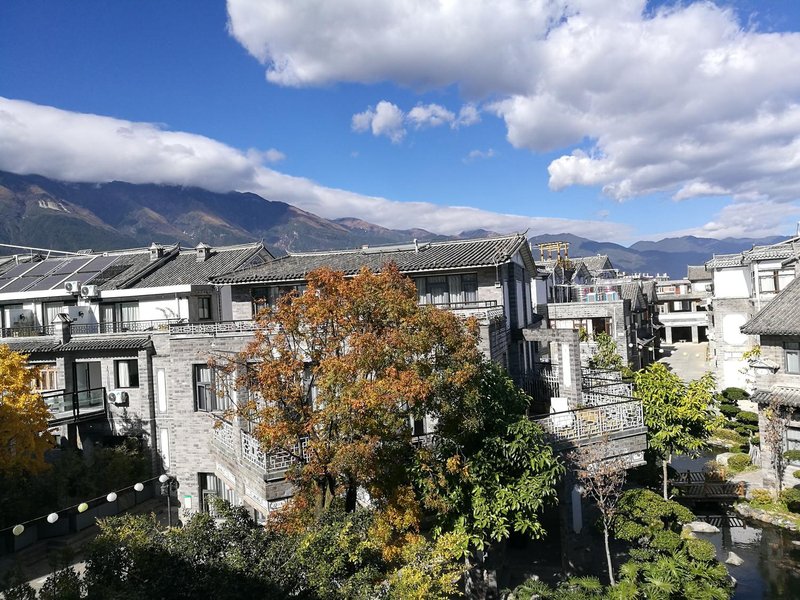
[796, 474]
[761, 496]
[729, 436]
[729, 410]
[791, 498]
[739, 462]
[747, 417]
[755, 440]
[792, 455]
[746, 430]
[715, 471]
[734, 394]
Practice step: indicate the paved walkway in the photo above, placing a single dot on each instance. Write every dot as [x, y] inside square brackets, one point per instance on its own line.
[687, 360]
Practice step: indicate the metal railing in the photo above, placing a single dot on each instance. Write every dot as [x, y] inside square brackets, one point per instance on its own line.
[216, 327]
[26, 331]
[149, 326]
[75, 406]
[583, 424]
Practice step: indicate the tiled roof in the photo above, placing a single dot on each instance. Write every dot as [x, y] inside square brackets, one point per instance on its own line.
[595, 264]
[410, 258]
[780, 317]
[633, 292]
[782, 250]
[785, 396]
[185, 269]
[650, 291]
[697, 273]
[82, 344]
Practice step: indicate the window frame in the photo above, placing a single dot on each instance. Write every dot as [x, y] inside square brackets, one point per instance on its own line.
[133, 374]
[791, 349]
[204, 308]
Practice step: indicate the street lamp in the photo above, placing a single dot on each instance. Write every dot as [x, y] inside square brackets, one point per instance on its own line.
[169, 485]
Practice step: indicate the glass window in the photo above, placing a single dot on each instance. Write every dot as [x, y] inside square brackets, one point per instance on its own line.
[206, 395]
[204, 307]
[126, 373]
[792, 350]
[48, 377]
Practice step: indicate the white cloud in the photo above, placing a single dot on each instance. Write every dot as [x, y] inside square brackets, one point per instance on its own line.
[468, 115]
[479, 154]
[429, 115]
[682, 99]
[273, 155]
[84, 147]
[385, 119]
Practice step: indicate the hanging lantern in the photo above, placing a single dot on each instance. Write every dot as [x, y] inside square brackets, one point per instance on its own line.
[83, 507]
[18, 529]
[138, 487]
[52, 518]
[111, 497]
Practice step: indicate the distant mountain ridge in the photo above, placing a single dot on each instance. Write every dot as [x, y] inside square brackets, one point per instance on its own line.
[41, 212]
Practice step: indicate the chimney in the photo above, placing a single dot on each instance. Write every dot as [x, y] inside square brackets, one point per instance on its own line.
[156, 251]
[416, 245]
[62, 327]
[203, 252]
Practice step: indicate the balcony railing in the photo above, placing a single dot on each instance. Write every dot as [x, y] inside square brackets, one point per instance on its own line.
[275, 464]
[149, 326]
[26, 331]
[483, 310]
[213, 327]
[587, 293]
[75, 406]
[592, 422]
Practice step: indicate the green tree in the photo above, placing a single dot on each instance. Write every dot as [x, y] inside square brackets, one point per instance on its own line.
[24, 436]
[679, 417]
[606, 356]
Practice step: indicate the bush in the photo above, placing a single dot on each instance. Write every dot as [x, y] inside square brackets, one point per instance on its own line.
[791, 498]
[729, 410]
[739, 462]
[792, 455]
[734, 394]
[747, 417]
[796, 474]
[761, 496]
[755, 440]
[714, 471]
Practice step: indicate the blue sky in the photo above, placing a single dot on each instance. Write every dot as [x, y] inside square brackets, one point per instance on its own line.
[612, 120]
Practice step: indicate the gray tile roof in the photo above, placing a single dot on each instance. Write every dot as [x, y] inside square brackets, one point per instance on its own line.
[785, 396]
[184, 268]
[782, 250]
[81, 344]
[633, 292]
[650, 291]
[595, 264]
[780, 317]
[697, 273]
[409, 258]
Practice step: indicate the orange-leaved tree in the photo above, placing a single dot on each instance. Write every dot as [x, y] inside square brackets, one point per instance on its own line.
[24, 437]
[341, 371]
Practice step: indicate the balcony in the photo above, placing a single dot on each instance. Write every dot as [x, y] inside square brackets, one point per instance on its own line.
[484, 311]
[147, 326]
[71, 407]
[213, 328]
[586, 293]
[26, 331]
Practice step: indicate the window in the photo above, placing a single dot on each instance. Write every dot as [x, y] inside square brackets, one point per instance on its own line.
[206, 397]
[118, 317]
[48, 378]
[792, 351]
[204, 307]
[51, 309]
[268, 296]
[448, 289]
[774, 281]
[126, 373]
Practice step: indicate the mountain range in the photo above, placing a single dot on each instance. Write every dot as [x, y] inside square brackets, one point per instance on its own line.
[39, 212]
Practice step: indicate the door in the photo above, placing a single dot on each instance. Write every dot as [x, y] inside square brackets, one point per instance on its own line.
[88, 375]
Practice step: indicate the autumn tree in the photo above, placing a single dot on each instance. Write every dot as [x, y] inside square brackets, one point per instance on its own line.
[340, 373]
[602, 479]
[678, 416]
[24, 437]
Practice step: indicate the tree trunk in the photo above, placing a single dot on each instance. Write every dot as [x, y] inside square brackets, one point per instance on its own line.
[664, 474]
[608, 556]
[351, 497]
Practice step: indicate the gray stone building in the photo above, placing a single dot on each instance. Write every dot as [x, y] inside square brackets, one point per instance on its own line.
[683, 306]
[776, 368]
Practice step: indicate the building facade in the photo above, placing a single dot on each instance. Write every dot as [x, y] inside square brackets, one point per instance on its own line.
[683, 306]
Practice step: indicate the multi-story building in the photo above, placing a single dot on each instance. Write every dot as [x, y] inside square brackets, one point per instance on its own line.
[683, 305]
[742, 285]
[777, 364]
[125, 340]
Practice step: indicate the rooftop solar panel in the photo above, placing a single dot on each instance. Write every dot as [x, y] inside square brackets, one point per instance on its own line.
[41, 269]
[71, 265]
[16, 271]
[98, 264]
[18, 285]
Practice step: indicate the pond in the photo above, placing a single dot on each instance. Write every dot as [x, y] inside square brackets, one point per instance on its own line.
[771, 569]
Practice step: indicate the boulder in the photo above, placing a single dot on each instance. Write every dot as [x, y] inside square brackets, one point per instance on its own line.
[701, 527]
[734, 559]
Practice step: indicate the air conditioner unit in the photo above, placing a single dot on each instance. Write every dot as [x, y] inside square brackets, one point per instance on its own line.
[72, 287]
[89, 291]
[118, 397]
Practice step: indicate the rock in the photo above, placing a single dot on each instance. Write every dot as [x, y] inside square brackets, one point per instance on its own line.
[734, 559]
[723, 458]
[701, 527]
[796, 542]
